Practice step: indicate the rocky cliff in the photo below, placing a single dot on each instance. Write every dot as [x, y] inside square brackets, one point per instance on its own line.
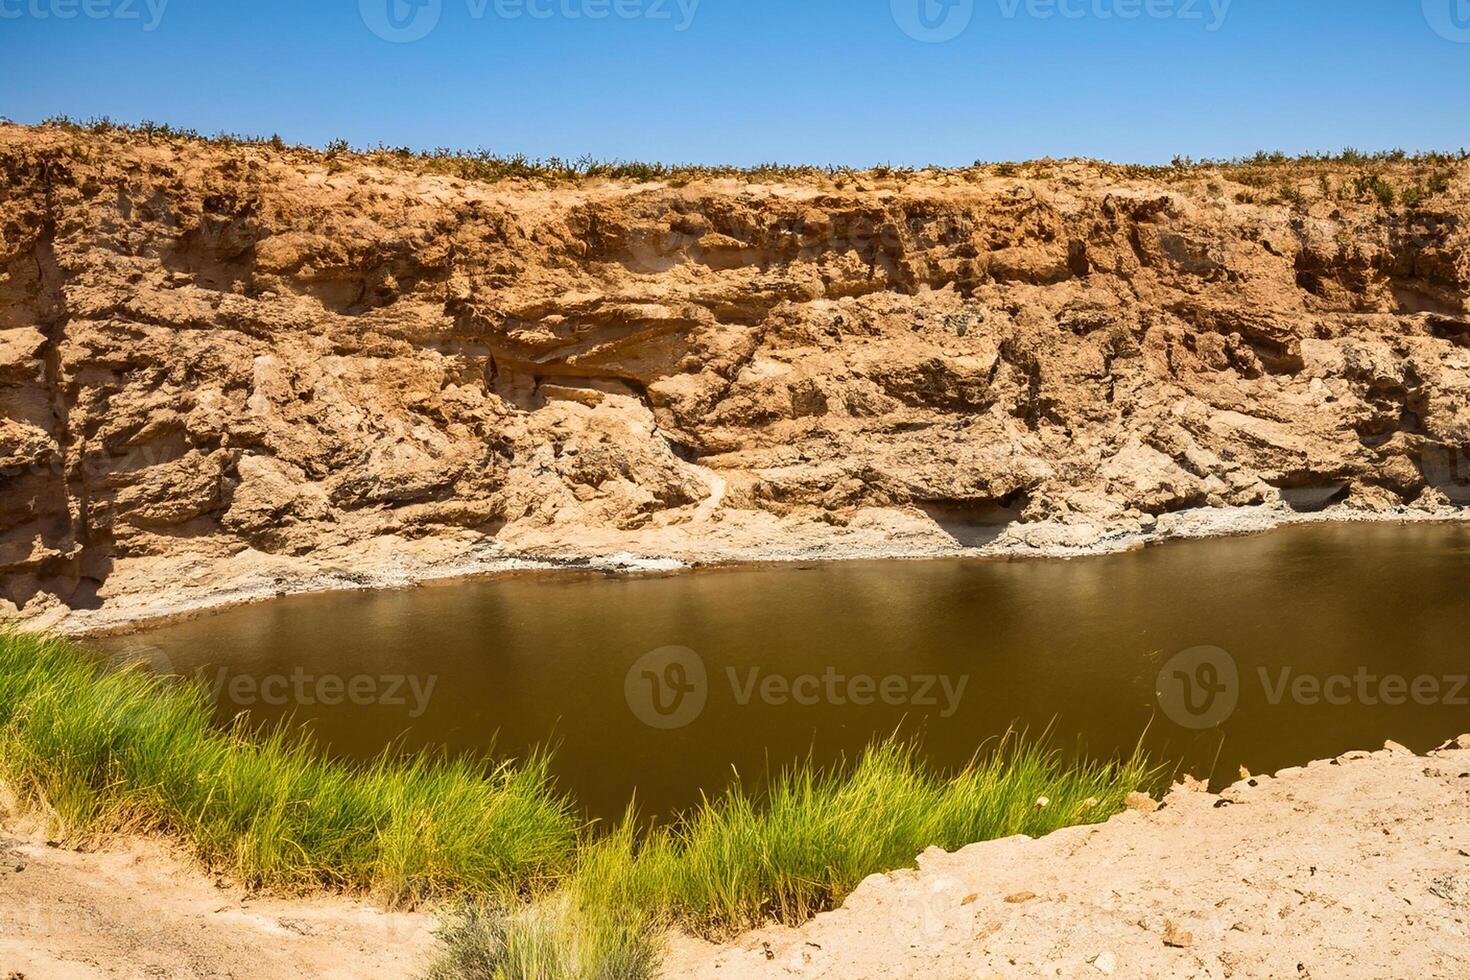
[230, 370]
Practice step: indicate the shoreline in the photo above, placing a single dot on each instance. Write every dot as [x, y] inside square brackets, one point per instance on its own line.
[466, 380]
[1362, 845]
[1365, 847]
[885, 535]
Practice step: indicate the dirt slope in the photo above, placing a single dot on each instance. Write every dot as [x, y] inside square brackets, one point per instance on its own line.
[136, 908]
[227, 371]
[1358, 867]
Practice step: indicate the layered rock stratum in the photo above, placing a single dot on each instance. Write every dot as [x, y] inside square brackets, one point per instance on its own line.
[231, 370]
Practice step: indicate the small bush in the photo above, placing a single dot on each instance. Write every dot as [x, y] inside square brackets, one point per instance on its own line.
[554, 939]
[1287, 194]
[1375, 187]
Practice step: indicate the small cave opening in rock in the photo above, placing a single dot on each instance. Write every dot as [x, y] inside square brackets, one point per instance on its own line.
[975, 523]
[1308, 496]
[682, 450]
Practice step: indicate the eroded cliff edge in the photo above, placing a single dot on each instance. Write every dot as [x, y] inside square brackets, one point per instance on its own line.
[231, 370]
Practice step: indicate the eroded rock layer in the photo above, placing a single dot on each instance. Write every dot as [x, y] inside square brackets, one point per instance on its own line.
[219, 362]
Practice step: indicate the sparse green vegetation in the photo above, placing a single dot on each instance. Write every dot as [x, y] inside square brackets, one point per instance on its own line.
[478, 164]
[1253, 176]
[1422, 191]
[1375, 187]
[101, 751]
[544, 896]
[1289, 195]
[557, 938]
[1260, 171]
[740, 860]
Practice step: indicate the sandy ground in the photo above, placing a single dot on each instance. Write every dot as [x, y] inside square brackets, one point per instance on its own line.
[137, 908]
[1353, 867]
[1356, 867]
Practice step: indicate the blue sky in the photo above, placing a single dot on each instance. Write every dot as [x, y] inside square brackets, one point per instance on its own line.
[745, 81]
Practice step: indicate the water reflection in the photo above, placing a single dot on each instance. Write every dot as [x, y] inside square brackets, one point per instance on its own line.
[1076, 645]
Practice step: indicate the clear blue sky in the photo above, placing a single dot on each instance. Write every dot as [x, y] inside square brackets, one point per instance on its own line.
[745, 81]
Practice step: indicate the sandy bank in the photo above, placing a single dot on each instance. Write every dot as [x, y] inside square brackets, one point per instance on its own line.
[1351, 867]
[140, 908]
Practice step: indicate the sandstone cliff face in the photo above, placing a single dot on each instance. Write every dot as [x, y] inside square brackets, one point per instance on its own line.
[220, 363]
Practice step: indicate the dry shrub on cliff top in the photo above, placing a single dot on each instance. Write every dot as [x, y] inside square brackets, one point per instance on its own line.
[1428, 171]
[478, 164]
[102, 751]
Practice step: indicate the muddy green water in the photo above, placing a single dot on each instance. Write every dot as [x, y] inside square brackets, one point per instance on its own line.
[1316, 640]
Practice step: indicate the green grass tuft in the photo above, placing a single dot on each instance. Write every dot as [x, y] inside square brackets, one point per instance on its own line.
[548, 898]
[801, 847]
[102, 751]
[553, 939]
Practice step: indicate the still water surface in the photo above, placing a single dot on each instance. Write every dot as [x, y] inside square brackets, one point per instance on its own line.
[818, 660]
